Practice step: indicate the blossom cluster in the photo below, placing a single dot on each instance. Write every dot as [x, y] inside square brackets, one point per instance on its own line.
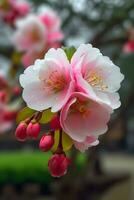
[80, 88]
[35, 34]
[10, 10]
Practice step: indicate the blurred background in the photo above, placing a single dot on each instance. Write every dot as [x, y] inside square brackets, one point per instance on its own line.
[105, 172]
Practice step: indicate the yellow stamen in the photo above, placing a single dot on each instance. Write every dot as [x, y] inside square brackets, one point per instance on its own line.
[56, 82]
[96, 81]
[80, 107]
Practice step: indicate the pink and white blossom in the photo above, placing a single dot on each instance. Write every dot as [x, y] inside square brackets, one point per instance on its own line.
[30, 34]
[52, 22]
[35, 34]
[84, 117]
[96, 74]
[49, 82]
[83, 91]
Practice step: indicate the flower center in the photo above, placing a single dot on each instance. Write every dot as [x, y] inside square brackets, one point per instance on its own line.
[56, 82]
[34, 34]
[80, 107]
[96, 81]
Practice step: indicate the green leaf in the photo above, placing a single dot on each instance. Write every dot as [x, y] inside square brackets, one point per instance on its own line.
[24, 114]
[69, 52]
[67, 142]
[46, 116]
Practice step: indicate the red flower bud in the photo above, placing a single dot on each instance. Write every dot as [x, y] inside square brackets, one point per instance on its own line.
[33, 130]
[20, 132]
[55, 123]
[58, 165]
[46, 142]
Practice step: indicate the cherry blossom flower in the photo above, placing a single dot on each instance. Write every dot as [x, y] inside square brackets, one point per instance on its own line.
[97, 75]
[10, 10]
[30, 34]
[49, 82]
[35, 34]
[83, 116]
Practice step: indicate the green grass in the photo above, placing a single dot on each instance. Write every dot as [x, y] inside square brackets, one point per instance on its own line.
[19, 167]
[26, 166]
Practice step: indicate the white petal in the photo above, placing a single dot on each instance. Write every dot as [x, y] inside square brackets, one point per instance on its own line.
[110, 73]
[58, 55]
[115, 100]
[36, 98]
[30, 76]
[60, 101]
[86, 51]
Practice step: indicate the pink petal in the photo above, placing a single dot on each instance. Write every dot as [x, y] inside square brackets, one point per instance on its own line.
[79, 127]
[54, 36]
[88, 142]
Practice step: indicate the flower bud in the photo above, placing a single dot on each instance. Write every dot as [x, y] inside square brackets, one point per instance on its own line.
[20, 132]
[46, 142]
[33, 130]
[58, 165]
[55, 123]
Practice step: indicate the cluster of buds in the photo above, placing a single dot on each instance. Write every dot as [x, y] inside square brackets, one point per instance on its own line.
[30, 129]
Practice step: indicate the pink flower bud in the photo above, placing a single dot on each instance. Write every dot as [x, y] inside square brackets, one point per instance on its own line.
[55, 123]
[58, 165]
[20, 132]
[33, 130]
[46, 142]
